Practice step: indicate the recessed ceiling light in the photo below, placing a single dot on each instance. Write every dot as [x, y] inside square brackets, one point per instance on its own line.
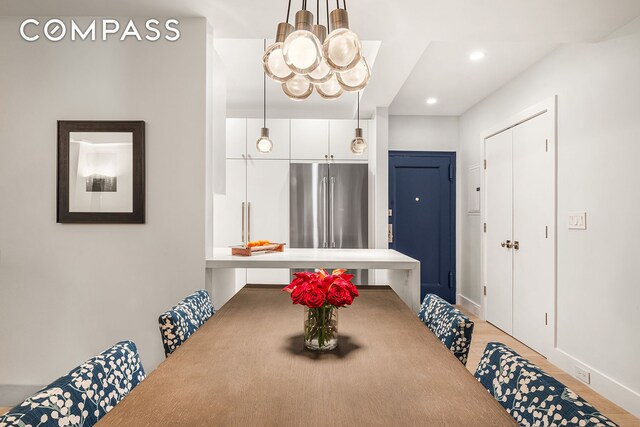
[432, 101]
[477, 55]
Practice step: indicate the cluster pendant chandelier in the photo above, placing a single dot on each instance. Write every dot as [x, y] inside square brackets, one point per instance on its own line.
[304, 57]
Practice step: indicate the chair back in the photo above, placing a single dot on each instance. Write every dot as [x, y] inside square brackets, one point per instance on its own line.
[530, 395]
[449, 324]
[84, 395]
[182, 320]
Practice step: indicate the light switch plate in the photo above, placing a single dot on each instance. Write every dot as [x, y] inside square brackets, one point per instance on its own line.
[583, 375]
[577, 220]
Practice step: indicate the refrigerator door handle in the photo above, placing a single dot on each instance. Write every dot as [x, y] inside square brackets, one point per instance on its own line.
[331, 211]
[325, 207]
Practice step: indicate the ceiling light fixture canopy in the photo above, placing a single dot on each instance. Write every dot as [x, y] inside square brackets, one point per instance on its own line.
[304, 57]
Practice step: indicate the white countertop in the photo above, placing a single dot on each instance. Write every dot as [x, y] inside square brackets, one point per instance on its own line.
[314, 258]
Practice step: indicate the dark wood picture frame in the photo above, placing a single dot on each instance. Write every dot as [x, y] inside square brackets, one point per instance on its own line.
[137, 216]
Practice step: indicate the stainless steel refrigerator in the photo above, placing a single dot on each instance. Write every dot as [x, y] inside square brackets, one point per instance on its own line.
[329, 207]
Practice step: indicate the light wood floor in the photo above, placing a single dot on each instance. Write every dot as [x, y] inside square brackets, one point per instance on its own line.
[484, 333]
[4, 410]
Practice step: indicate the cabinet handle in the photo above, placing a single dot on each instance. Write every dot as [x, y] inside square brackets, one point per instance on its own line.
[243, 240]
[507, 244]
[326, 156]
[516, 245]
[332, 156]
[248, 221]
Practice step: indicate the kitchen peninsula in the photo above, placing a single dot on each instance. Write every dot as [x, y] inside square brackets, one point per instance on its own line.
[400, 272]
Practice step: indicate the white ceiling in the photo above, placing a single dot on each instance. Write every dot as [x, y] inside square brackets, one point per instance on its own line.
[446, 73]
[407, 30]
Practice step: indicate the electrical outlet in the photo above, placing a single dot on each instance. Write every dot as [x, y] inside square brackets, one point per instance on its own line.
[583, 375]
[577, 220]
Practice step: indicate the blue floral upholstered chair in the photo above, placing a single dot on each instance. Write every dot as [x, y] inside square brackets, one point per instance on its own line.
[530, 395]
[182, 320]
[449, 324]
[84, 395]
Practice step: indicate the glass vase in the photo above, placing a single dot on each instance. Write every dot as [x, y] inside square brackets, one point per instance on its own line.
[321, 328]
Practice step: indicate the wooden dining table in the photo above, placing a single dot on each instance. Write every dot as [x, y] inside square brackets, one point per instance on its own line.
[247, 366]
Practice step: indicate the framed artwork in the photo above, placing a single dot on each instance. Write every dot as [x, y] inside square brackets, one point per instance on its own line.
[101, 172]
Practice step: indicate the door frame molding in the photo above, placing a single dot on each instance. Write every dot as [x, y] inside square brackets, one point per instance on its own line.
[549, 105]
[453, 156]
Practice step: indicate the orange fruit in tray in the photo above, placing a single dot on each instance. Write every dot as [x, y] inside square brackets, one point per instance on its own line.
[256, 243]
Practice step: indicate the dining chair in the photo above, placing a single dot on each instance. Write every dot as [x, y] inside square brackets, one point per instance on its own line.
[84, 395]
[449, 324]
[182, 320]
[530, 395]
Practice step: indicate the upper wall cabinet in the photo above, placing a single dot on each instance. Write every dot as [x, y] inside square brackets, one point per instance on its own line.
[341, 133]
[236, 138]
[279, 134]
[309, 139]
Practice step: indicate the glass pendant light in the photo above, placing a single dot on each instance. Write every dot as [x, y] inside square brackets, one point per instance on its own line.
[330, 89]
[297, 88]
[358, 144]
[273, 58]
[342, 49]
[302, 49]
[264, 143]
[324, 71]
[356, 78]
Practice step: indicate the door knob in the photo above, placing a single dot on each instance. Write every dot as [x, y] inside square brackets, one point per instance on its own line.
[516, 245]
[507, 244]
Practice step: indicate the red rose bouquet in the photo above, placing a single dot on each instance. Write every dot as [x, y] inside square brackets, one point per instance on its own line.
[322, 294]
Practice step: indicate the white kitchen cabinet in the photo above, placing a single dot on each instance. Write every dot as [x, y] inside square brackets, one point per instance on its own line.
[341, 133]
[279, 134]
[229, 212]
[309, 139]
[236, 138]
[268, 212]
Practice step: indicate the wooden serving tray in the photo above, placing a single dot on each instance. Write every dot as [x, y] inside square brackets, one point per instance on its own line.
[244, 251]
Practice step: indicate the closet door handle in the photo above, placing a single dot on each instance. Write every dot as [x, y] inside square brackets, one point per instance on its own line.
[243, 240]
[507, 244]
[516, 245]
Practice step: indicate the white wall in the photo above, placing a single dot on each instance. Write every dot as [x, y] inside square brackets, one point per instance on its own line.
[598, 297]
[69, 291]
[423, 133]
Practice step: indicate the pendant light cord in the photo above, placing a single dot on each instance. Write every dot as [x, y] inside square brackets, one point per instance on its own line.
[344, 3]
[358, 109]
[264, 94]
[318, 12]
[328, 29]
[289, 11]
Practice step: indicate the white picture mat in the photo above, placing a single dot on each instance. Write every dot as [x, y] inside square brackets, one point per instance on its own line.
[104, 154]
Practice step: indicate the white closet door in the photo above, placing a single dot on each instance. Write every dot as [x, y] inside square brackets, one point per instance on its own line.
[310, 139]
[533, 219]
[236, 138]
[228, 212]
[499, 216]
[268, 195]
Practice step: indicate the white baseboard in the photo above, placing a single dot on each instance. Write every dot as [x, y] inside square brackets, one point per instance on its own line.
[618, 393]
[11, 395]
[471, 306]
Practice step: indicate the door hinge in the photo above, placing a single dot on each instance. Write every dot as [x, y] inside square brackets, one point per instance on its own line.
[485, 164]
[390, 233]
[451, 280]
[546, 319]
[485, 227]
[485, 291]
[450, 172]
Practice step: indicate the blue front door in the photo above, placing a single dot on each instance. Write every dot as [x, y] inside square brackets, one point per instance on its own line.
[422, 214]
